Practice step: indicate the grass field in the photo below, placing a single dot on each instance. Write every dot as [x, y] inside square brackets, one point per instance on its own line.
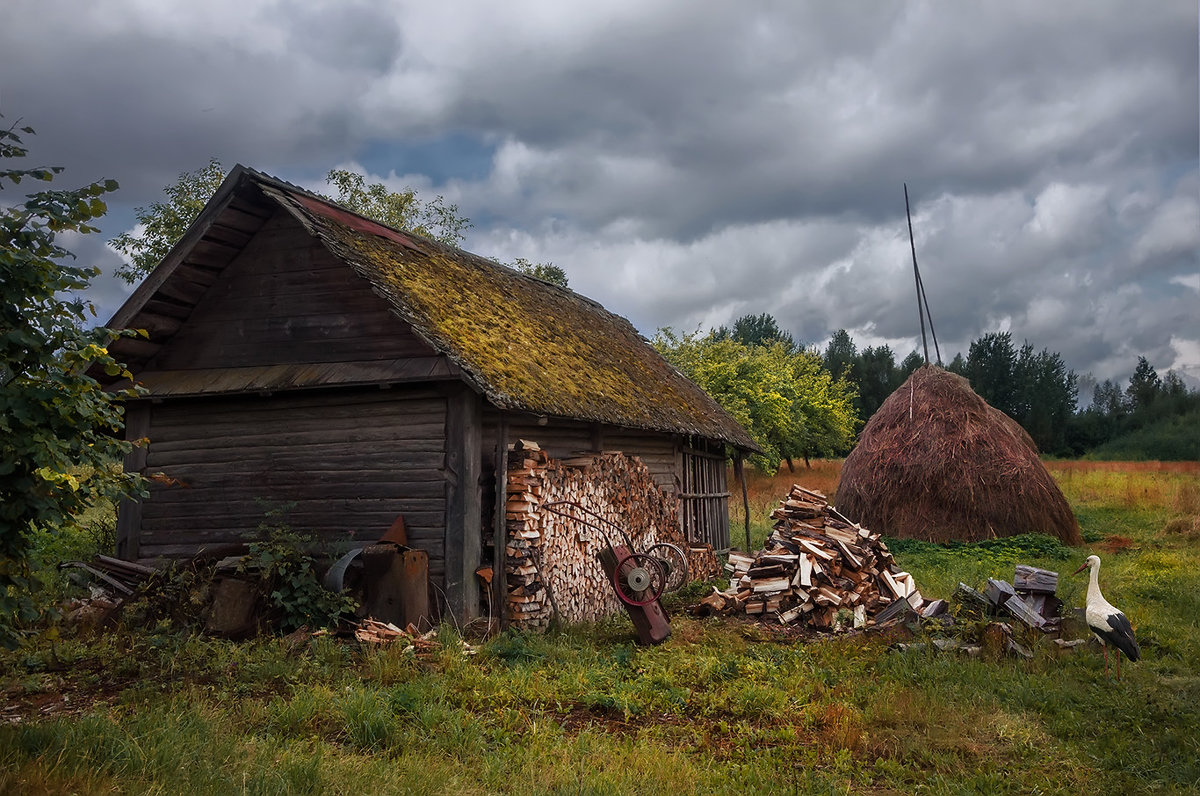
[723, 707]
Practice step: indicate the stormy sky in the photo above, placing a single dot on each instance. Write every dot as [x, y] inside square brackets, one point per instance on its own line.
[690, 162]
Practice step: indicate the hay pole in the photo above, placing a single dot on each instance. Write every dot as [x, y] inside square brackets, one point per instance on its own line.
[922, 300]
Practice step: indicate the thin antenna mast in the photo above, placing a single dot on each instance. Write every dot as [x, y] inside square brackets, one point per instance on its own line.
[922, 299]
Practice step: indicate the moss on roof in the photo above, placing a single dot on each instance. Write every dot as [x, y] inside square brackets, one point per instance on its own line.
[527, 344]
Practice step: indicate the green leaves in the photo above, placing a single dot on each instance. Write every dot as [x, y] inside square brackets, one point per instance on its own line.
[162, 224]
[296, 592]
[56, 423]
[399, 209]
[782, 395]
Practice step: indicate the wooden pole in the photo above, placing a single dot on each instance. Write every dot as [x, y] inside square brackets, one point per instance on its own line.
[739, 469]
[916, 274]
[500, 525]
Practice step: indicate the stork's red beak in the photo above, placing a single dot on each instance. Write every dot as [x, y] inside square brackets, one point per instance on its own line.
[1082, 567]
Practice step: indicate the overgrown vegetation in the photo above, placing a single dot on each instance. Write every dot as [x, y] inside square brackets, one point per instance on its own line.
[59, 431]
[779, 393]
[723, 707]
[284, 563]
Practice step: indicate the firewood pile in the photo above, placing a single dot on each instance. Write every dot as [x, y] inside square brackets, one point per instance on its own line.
[551, 566]
[1002, 619]
[817, 569]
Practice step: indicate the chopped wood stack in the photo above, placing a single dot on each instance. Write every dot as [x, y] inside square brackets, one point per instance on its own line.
[817, 569]
[1030, 599]
[551, 564]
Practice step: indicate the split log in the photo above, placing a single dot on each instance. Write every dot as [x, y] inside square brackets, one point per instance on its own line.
[817, 568]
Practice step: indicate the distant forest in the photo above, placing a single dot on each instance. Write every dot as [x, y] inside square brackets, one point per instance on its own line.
[1151, 417]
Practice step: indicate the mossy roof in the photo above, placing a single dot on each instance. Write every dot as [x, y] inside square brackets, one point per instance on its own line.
[526, 344]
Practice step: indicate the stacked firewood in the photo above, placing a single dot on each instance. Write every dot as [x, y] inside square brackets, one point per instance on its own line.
[817, 568]
[551, 565]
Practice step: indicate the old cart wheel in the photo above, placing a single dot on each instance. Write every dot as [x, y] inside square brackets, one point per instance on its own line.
[639, 579]
[674, 563]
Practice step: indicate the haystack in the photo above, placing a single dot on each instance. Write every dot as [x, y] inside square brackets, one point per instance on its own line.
[936, 462]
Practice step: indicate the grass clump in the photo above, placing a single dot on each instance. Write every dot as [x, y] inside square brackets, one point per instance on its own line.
[722, 707]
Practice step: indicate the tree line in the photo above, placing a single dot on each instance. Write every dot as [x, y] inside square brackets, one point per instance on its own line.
[1039, 391]
[746, 367]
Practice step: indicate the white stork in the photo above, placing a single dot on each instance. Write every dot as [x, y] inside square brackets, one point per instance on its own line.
[1110, 625]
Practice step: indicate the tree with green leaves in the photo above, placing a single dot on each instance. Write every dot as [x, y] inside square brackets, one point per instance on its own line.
[162, 224]
[1046, 392]
[547, 272]
[756, 330]
[877, 378]
[399, 209]
[60, 432]
[841, 356]
[784, 397]
[1144, 386]
[914, 360]
[990, 367]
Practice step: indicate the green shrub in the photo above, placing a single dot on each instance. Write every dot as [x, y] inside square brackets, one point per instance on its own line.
[294, 590]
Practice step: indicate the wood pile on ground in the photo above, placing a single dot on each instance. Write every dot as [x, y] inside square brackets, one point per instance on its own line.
[551, 566]
[816, 569]
[1002, 619]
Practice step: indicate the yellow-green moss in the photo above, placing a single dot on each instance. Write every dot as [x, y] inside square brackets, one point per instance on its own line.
[530, 345]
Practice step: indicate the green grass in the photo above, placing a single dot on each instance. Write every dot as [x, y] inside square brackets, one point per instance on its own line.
[723, 707]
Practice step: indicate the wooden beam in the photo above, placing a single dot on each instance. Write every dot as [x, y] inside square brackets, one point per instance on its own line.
[464, 510]
[129, 510]
[499, 525]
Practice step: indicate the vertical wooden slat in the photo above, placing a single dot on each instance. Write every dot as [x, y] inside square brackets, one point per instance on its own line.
[500, 526]
[129, 512]
[464, 512]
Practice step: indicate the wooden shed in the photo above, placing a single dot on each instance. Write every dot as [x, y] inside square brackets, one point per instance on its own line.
[304, 357]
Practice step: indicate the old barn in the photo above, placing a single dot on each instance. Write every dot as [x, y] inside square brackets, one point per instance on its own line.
[303, 358]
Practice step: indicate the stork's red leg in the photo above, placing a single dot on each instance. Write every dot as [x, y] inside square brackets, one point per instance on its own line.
[1105, 661]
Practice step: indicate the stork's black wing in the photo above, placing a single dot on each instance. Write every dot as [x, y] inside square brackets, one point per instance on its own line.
[1121, 636]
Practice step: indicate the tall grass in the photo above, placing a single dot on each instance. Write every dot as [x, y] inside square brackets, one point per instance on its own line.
[722, 707]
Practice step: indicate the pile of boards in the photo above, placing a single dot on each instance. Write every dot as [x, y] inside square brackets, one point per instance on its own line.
[550, 563]
[1030, 599]
[817, 569]
[1002, 617]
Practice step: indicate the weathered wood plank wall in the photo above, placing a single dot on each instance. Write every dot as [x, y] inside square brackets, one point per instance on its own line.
[286, 299]
[349, 461]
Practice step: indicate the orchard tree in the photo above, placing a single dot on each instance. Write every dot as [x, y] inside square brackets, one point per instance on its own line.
[399, 209]
[784, 397]
[60, 432]
[547, 272]
[162, 224]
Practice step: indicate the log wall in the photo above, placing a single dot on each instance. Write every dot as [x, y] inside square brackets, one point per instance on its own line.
[346, 462]
[285, 298]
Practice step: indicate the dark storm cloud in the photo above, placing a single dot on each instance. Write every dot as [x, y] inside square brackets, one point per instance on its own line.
[690, 162]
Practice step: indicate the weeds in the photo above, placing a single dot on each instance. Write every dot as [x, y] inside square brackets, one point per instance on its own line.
[722, 707]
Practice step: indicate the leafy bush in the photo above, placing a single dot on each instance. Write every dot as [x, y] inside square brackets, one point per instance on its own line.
[294, 590]
[1027, 545]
